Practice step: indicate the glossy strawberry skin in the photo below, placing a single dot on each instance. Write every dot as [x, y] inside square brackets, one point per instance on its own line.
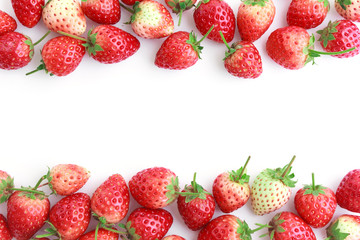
[62, 55]
[102, 11]
[215, 13]
[173, 237]
[130, 2]
[4, 229]
[348, 191]
[103, 234]
[350, 12]
[28, 12]
[7, 23]
[222, 227]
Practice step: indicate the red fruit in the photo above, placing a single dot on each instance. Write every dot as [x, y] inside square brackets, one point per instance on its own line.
[26, 215]
[28, 12]
[315, 204]
[111, 199]
[287, 225]
[348, 191]
[173, 237]
[71, 216]
[348, 9]
[6, 184]
[7, 23]
[340, 35]
[102, 11]
[254, 17]
[130, 2]
[196, 206]
[215, 13]
[4, 229]
[307, 13]
[103, 234]
[149, 224]
[67, 179]
[154, 187]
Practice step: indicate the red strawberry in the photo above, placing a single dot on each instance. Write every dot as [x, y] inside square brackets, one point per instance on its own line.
[179, 6]
[173, 237]
[254, 17]
[67, 179]
[340, 35]
[113, 188]
[348, 9]
[129, 2]
[6, 184]
[7, 23]
[26, 214]
[215, 13]
[231, 190]
[28, 12]
[196, 206]
[348, 191]
[315, 204]
[345, 227]
[307, 13]
[287, 225]
[102, 234]
[154, 187]
[102, 11]
[4, 229]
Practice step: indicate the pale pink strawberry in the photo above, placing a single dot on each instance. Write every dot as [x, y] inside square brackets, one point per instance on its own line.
[6, 183]
[345, 227]
[348, 9]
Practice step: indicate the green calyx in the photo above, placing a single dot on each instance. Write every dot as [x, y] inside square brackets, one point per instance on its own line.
[130, 232]
[202, 2]
[275, 226]
[260, 3]
[32, 45]
[92, 47]
[240, 176]
[344, 3]
[194, 191]
[5, 188]
[196, 44]
[314, 189]
[173, 190]
[179, 6]
[231, 49]
[326, 34]
[334, 232]
[283, 174]
[326, 3]
[50, 231]
[245, 231]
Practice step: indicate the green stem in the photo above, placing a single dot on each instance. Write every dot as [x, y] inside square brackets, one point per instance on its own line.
[72, 36]
[224, 40]
[313, 181]
[127, 8]
[180, 16]
[261, 226]
[28, 190]
[42, 38]
[288, 167]
[193, 183]
[208, 32]
[97, 230]
[39, 182]
[246, 163]
[332, 53]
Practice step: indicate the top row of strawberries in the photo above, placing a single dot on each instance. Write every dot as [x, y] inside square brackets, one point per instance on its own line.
[291, 47]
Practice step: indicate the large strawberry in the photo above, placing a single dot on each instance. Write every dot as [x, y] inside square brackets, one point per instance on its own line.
[4, 229]
[7, 23]
[340, 35]
[154, 187]
[345, 227]
[271, 189]
[28, 12]
[315, 204]
[101, 234]
[348, 9]
[348, 191]
[6, 184]
[307, 13]
[64, 15]
[254, 17]
[113, 188]
[102, 11]
[215, 13]
[179, 6]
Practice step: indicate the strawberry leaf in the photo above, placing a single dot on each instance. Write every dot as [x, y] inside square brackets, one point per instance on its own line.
[326, 34]
[244, 230]
[260, 3]
[173, 189]
[344, 3]
[334, 233]
[5, 188]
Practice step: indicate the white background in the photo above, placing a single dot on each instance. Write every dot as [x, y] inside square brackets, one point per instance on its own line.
[125, 117]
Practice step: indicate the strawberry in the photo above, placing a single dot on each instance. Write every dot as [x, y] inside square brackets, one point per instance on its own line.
[231, 190]
[67, 179]
[4, 229]
[64, 15]
[315, 204]
[173, 237]
[287, 225]
[28, 12]
[340, 35]
[242, 59]
[254, 17]
[215, 13]
[271, 189]
[151, 20]
[129, 2]
[6, 184]
[180, 50]
[348, 9]
[154, 187]
[102, 234]
[179, 6]
[345, 227]
[348, 191]
[102, 11]
[7, 23]
[196, 206]
[113, 188]
[307, 13]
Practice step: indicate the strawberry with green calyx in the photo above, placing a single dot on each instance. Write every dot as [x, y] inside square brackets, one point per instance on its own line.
[179, 6]
[348, 9]
[6, 184]
[345, 227]
[271, 189]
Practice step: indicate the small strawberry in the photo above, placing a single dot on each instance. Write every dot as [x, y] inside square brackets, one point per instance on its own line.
[179, 6]
[254, 17]
[307, 13]
[113, 211]
[154, 187]
[345, 227]
[28, 12]
[272, 189]
[4, 229]
[315, 204]
[348, 191]
[102, 11]
[6, 184]
[231, 190]
[7, 23]
[129, 2]
[242, 59]
[173, 237]
[348, 9]
[215, 13]
[287, 225]
[196, 206]
[340, 35]
[64, 15]
[101, 234]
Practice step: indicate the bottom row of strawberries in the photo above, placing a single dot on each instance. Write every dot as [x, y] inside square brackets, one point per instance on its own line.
[28, 208]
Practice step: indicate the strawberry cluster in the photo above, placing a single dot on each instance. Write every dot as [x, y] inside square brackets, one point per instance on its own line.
[29, 208]
[290, 46]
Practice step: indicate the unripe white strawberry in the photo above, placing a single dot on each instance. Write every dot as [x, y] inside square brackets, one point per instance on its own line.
[345, 227]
